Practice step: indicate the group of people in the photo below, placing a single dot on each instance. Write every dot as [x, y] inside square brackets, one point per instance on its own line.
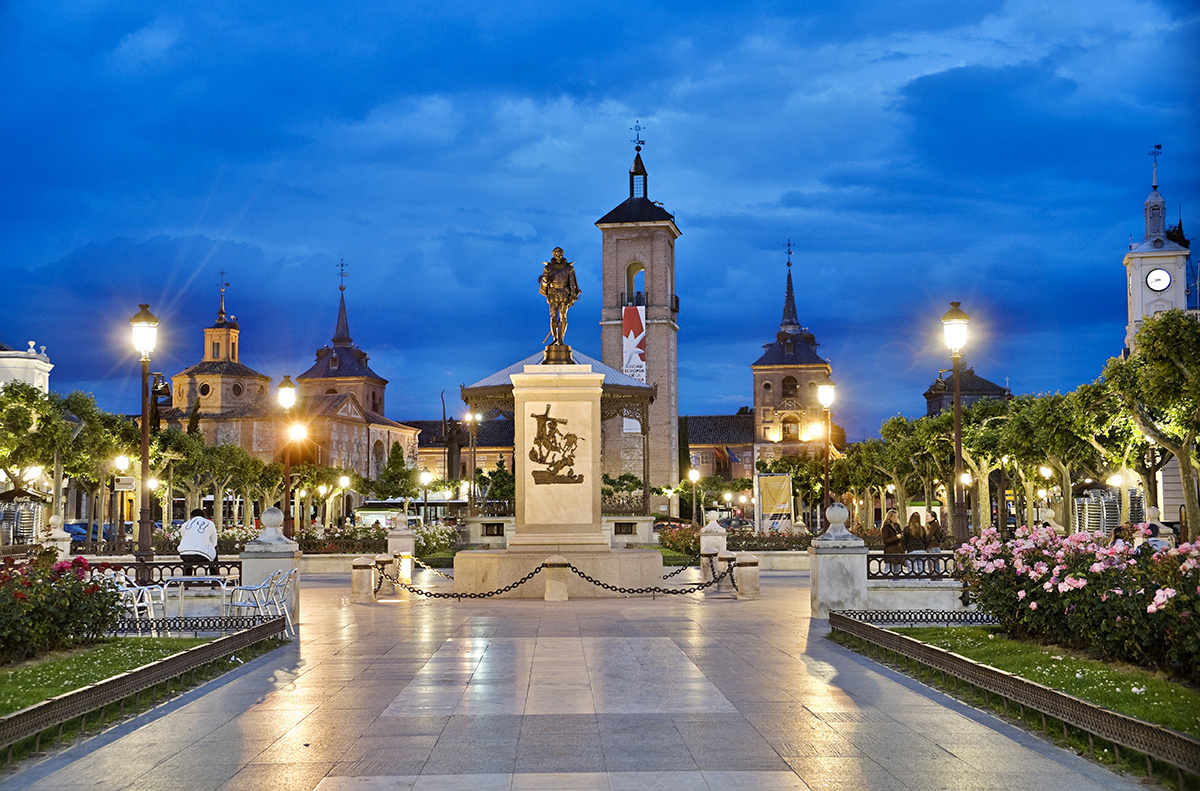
[913, 538]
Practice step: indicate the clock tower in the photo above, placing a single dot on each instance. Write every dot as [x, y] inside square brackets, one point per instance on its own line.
[1156, 268]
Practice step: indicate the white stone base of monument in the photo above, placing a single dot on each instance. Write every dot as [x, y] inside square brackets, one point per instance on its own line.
[556, 573]
[485, 570]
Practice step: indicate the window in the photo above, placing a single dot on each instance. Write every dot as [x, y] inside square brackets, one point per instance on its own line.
[216, 349]
[205, 389]
[237, 390]
[789, 387]
[812, 399]
[331, 391]
[766, 394]
[625, 529]
[493, 529]
[791, 428]
[233, 351]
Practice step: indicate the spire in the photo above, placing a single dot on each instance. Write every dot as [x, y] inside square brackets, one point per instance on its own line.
[223, 285]
[341, 334]
[790, 321]
[637, 173]
[1155, 206]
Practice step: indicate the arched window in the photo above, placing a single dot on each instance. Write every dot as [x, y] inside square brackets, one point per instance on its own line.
[789, 387]
[331, 391]
[635, 284]
[791, 428]
[811, 398]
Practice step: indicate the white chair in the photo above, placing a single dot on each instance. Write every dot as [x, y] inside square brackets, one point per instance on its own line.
[138, 600]
[281, 595]
[254, 597]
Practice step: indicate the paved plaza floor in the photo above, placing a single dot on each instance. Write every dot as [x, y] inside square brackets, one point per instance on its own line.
[677, 692]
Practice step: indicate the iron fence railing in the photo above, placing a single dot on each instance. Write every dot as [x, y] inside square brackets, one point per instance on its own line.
[18, 551]
[623, 504]
[1153, 741]
[77, 705]
[345, 546]
[155, 571]
[929, 566]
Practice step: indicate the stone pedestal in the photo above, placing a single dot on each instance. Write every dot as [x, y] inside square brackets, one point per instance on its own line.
[58, 538]
[838, 567]
[388, 563]
[556, 451]
[725, 586]
[362, 580]
[269, 552]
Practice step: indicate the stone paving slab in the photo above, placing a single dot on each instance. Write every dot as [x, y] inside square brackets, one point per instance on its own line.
[668, 693]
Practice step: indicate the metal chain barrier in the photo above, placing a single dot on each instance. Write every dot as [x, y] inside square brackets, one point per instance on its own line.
[460, 596]
[682, 568]
[695, 588]
[428, 567]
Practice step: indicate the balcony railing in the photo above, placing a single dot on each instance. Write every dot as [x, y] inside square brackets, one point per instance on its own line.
[929, 566]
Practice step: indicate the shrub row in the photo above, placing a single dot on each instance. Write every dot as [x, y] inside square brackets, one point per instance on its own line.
[48, 606]
[1132, 605]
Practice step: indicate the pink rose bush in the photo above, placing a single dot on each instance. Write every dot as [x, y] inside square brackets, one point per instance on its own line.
[1131, 605]
[48, 606]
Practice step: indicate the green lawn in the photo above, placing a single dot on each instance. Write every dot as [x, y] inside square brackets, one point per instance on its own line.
[1121, 688]
[32, 682]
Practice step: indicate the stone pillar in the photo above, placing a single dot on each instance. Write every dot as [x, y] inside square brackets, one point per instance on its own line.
[269, 552]
[725, 560]
[362, 581]
[388, 564]
[747, 576]
[58, 538]
[402, 546]
[556, 578]
[838, 566]
[706, 568]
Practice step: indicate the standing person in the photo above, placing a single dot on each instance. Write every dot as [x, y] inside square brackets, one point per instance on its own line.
[893, 541]
[1120, 535]
[914, 540]
[197, 542]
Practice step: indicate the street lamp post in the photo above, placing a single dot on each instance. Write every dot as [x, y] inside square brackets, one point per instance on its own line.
[343, 484]
[144, 331]
[426, 479]
[694, 476]
[825, 392]
[954, 325]
[473, 420]
[122, 465]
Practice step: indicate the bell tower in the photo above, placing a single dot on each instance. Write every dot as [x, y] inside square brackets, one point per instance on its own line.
[1156, 269]
[639, 328]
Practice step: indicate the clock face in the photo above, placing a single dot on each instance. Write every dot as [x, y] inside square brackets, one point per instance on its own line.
[1158, 279]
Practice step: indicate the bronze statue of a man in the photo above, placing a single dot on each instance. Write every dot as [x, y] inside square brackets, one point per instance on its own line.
[557, 284]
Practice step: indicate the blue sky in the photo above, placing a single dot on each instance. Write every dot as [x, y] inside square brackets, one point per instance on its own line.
[915, 153]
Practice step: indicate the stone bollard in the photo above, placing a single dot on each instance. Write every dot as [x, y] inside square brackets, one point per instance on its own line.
[58, 538]
[725, 586]
[747, 576]
[556, 578]
[706, 568]
[401, 545]
[362, 581]
[388, 564]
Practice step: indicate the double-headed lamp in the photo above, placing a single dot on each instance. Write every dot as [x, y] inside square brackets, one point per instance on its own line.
[954, 325]
[145, 331]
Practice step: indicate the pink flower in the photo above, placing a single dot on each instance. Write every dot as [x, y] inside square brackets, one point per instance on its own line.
[1033, 605]
[1020, 595]
[1096, 568]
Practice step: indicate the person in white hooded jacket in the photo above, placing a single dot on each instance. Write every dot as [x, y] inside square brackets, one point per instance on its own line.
[197, 541]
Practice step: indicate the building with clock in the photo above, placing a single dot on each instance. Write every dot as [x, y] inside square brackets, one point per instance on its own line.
[1159, 273]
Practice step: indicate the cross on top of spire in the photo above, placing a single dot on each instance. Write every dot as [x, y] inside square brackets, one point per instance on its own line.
[637, 140]
[789, 249]
[342, 274]
[222, 284]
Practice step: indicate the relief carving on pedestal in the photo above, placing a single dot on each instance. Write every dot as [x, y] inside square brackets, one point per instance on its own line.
[555, 450]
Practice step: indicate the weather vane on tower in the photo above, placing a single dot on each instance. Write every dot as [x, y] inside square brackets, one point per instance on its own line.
[637, 140]
[789, 248]
[342, 274]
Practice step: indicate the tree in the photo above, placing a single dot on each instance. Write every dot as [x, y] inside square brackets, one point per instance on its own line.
[1159, 384]
[31, 428]
[396, 480]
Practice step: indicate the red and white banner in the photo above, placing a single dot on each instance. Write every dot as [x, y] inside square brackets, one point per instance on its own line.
[633, 350]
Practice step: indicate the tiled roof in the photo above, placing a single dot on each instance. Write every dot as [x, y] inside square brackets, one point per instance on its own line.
[495, 433]
[720, 429]
[340, 363]
[637, 210]
[222, 368]
[801, 352]
[971, 384]
[612, 377]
